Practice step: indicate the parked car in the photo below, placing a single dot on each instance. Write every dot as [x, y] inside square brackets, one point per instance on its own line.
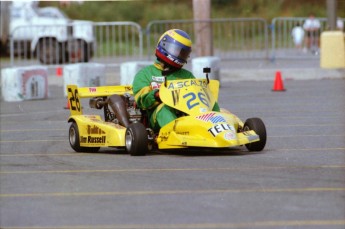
[45, 33]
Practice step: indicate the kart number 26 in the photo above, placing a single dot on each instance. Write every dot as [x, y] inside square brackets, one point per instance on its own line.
[74, 99]
[193, 99]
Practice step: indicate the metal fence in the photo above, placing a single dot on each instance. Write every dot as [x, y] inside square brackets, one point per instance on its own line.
[240, 38]
[104, 42]
[282, 42]
[112, 43]
[118, 42]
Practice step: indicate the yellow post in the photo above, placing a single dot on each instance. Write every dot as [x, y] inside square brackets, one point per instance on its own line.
[332, 53]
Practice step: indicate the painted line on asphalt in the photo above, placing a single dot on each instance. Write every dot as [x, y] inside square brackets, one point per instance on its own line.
[304, 125]
[32, 141]
[255, 224]
[45, 154]
[64, 140]
[31, 130]
[306, 135]
[311, 149]
[33, 122]
[170, 192]
[154, 153]
[26, 172]
[270, 136]
[31, 113]
[326, 116]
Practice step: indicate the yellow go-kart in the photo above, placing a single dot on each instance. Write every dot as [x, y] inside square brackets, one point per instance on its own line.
[125, 125]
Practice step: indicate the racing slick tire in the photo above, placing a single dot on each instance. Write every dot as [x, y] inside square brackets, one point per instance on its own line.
[258, 126]
[136, 139]
[73, 134]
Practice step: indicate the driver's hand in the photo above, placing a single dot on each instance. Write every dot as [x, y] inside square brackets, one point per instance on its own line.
[156, 95]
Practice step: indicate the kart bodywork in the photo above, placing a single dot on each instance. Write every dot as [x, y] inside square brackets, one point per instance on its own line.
[125, 125]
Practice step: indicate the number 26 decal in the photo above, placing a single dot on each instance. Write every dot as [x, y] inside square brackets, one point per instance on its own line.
[192, 99]
[74, 99]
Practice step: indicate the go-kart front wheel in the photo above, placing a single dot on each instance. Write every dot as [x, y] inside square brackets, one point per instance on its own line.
[74, 140]
[136, 139]
[258, 126]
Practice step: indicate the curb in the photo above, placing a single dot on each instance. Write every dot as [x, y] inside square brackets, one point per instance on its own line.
[228, 75]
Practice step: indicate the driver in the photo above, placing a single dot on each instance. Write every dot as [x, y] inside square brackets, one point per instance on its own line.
[172, 51]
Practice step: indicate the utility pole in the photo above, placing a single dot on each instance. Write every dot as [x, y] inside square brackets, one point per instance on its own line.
[202, 28]
[332, 14]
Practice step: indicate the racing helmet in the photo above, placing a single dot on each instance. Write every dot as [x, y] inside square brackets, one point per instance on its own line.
[174, 47]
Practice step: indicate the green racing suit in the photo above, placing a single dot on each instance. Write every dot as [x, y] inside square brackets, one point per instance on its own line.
[146, 83]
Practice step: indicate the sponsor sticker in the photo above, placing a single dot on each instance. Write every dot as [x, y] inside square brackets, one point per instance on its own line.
[90, 139]
[155, 85]
[158, 78]
[211, 117]
[94, 130]
[100, 138]
[230, 135]
[187, 83]
[92, 89]
[205, 117]
[219, 128]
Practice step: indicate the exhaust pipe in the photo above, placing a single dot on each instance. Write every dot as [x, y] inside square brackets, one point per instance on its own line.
[118, 106]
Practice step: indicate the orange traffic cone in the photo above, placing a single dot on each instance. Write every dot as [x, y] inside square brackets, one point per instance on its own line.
[67, 105]
[58, 71]
[278, 82]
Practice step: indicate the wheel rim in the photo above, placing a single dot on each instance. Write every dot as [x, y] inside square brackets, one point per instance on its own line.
[129, 140]
[72, 136]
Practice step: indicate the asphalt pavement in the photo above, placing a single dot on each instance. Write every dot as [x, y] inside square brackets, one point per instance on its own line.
[297, 181]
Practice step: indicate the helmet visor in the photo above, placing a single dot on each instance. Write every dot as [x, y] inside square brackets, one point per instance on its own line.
[177, 50]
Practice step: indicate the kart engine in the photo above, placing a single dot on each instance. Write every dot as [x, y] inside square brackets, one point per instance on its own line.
[124, 110]
[133, 111]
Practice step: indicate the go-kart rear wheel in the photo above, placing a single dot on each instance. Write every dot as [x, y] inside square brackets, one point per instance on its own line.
[136, 139]
[73, 134]
[258, 126]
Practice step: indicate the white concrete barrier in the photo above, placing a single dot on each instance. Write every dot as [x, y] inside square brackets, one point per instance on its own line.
[24, 83]
[130, 69]
[84, 75]
[199, 63]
